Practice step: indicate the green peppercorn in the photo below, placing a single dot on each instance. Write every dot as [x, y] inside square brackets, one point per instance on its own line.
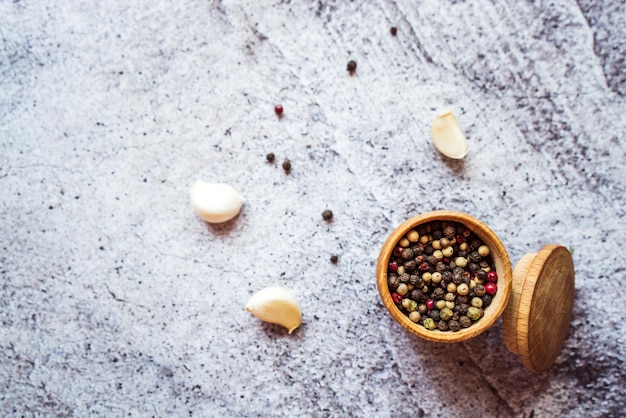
[445, 314]
[449, 297]
[429, 324]
[473, 313]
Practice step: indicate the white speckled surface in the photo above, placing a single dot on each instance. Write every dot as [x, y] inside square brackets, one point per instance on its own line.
[116, 300]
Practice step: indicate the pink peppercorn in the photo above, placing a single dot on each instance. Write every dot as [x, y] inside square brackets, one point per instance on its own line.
[393, 266]
[278, 109]
[491, 288]
[396, 298]
[430, 304]
[492, 277]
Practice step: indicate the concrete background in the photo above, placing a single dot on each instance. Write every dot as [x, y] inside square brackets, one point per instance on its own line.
[116, 300]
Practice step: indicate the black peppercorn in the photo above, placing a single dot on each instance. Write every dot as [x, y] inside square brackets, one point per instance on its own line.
[481, 274]
[334, 259]
[462, 308]
[407, 253]
[486, 300]
[438, 293]
[449, 231]
[454, 325]
[429, 250]
[416, 295]
[465, 321]
[352, 66]
[393, 282]
[432, 260]
[405, 278]
[415, 280]
[472, 267]
[479, 290]
[460, 299]
[410, 265]
[270, 157]
[441, 267]
[442, 325]
[393, 31]
[434, 314]
[287, 166]
[475, 257]
[417, 250]
[327, 215]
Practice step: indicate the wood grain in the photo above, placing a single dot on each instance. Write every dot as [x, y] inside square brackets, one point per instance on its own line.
[539, 313]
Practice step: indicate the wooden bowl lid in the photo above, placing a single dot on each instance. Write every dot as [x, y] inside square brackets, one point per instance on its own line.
[538, 316]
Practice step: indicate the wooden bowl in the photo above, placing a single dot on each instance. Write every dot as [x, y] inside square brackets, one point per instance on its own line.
[499, 257]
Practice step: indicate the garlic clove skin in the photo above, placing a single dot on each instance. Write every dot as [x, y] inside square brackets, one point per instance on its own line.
[448, 137]
[277, 305]
[215, 202]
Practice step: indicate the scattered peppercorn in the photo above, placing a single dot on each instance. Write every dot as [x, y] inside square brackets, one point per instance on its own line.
[270, 157]
[327, 215]
[334, 259]
[278, 109]
[287, 166]
[351, 66]
[393, 31]
[444, 273]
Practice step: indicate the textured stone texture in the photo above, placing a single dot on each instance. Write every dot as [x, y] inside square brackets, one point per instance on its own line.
[116, 300]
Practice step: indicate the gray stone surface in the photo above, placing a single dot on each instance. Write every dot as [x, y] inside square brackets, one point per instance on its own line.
[116, 300]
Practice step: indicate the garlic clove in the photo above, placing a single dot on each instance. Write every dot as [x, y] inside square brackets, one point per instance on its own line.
[215, 202]
[276, 305]
[448, 137]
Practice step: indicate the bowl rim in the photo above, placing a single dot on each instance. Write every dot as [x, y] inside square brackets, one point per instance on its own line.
[499, 256]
